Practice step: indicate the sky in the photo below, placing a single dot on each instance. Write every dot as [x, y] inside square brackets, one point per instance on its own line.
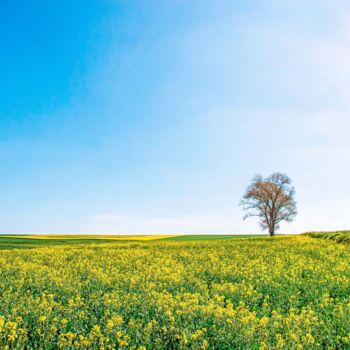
[146, 117]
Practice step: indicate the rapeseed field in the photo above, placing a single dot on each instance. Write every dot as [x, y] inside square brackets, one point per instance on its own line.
[282, 293]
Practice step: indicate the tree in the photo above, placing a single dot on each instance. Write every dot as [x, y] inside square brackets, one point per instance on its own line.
[271, 199]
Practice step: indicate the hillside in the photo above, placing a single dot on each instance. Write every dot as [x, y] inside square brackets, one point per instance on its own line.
[337, 236]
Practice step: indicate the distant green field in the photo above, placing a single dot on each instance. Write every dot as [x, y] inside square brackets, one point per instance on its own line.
[207, 237]
[31, 241]
[16, 243]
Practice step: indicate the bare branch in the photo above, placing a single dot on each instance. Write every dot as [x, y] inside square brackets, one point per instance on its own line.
[270, 199]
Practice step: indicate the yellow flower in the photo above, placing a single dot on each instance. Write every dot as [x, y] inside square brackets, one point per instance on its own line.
[42, 319]
[123, 343]
[309, 338]
[264, 321]
[110, 324]
[263, 346]
[96, 329]
[280, 341]
[197, 335]
[11, 337]
[204, 345]
[2, 321]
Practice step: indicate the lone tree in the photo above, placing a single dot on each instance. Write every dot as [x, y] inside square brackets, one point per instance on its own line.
[271, 199]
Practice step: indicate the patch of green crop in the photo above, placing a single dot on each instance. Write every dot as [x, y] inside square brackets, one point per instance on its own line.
[207, 237]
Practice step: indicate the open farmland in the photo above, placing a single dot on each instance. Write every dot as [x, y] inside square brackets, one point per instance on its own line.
[249, 293]
[32, 241]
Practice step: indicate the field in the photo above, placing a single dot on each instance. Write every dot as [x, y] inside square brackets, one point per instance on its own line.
[32, 241]
[249, 293]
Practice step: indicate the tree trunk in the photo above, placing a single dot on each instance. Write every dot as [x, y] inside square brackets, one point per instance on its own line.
[272, 231]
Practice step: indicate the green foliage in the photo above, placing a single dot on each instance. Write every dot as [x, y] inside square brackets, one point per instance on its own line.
[337, 236]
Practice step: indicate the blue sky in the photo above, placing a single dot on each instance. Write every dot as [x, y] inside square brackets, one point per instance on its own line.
[153, 116]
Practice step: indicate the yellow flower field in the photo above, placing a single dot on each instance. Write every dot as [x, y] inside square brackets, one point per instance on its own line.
[283, 293]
